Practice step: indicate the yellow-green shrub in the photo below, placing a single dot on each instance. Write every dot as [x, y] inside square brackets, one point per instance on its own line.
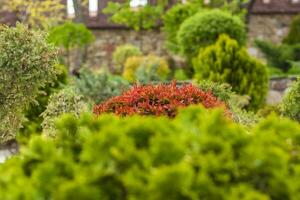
[148, 63]
[121, 54]
[198, 155]
[227, 62]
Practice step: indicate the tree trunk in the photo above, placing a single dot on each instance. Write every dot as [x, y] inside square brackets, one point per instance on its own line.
[79, 18]
[79, 14]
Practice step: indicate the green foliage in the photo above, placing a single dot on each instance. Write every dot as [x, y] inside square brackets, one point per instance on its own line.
[204, 28]
[235, 102]
[34, 110]
[180, 75]
[268, 110]
[178, 13]
[146, 68]
[70, 35]
[121, 54]
[172, 20]
[145, 17]
[291, 102]
[64, 101]
[293, 36]
[227, 62]
[98, 87]
[26, 65]
[197, 155]
[280, 56]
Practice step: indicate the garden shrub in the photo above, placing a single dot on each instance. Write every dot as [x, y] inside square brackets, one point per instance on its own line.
[198, 155]
[268, 110]
[294, 32]
[62, 102]
[26, 64]
[172, 20]
[291, 102]
[98, 87]
[227, 62]
[205, 27]
[70, 35]
[153, 65]
[236, 103]
[121, 54]
[180, 75]
[34, 110]
[279, 56]
[157, 100]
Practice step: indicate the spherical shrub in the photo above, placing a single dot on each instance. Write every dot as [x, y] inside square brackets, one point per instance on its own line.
[150, 62]
[198, 155]
[157, 100]
[294, 32]
[70, 35]
[291, 102]
[227, 62]
[121, 54]
[172, 20]
[204, 28]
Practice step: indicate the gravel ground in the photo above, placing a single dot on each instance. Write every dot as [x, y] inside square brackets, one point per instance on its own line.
[4, 154]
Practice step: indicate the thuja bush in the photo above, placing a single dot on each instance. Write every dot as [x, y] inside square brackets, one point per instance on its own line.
[198, 155]
[62, 102]
[121, 54]
[227, 62]
[98, 87]
[294, 32]
[205, 27]
[26, 64]
[157, 100]
[279, 56]
[291, 102]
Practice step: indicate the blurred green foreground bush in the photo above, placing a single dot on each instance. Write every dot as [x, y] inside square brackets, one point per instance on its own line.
[200, 154]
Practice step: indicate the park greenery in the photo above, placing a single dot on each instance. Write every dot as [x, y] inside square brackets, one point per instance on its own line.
[146, 128]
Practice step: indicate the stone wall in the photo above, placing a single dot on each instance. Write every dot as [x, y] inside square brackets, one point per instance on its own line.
[273, 27]
[277, 89]
[100, 52]
[270, 27]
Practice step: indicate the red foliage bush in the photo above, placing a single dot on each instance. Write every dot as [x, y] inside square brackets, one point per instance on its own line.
[157, 100]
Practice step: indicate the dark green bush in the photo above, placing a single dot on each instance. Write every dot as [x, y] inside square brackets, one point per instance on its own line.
[27, 64]
[291, 102]
[34, 110]
[227, 62]
[204, 28]
[280, 56]
[293, 36]
[197, 155]
[98, 87]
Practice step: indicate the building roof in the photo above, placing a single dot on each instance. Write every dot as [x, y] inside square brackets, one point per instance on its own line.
[274, 7]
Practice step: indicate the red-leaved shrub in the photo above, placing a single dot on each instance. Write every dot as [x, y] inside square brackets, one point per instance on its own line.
[157, 100]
